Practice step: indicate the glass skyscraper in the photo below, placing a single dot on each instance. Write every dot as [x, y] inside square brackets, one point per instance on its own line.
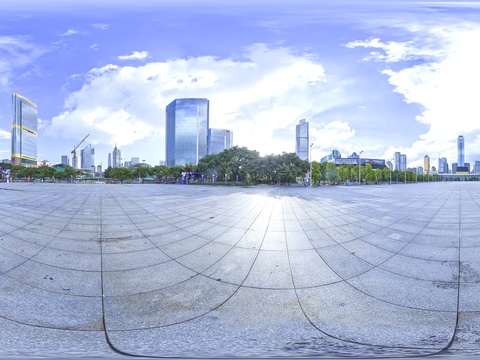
[461, 150]
[219, 140]
[24, 131]
[88, 157]
[186, 130]
[302, 140]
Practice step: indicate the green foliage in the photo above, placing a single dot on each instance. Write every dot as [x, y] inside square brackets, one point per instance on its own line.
[121, 174]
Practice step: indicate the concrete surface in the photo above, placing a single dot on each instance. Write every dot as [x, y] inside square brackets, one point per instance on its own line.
[103, 271]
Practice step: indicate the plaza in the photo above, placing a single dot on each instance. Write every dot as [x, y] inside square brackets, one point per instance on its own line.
[213, 271]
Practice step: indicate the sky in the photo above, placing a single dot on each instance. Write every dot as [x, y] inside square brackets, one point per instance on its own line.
[371, 76]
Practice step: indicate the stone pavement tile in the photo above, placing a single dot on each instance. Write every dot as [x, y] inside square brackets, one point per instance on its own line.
[346, 313]
[177, 303]
[230, 236]
[274, 240]
[183, 246]
[233, 267]
[58, 280]
[368, 252]
[252, 239]
[408, 292]
[202, 258]
[320, 238]
[9, 260]
[79, 235]
[145, 279]
[67, 259]
[23, 248]
[430, 252]
[343, 262]
[422, 269]
[213, 232]
[33, 306]
[28, 236]
[133, 259]
[270, 270]
[298, 240]
[309, 270]
[339, 235]
[437, 238]
[469, 254]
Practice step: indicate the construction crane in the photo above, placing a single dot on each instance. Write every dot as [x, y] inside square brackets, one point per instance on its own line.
[74, 152]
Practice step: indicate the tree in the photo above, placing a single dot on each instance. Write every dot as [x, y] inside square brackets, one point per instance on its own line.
[121, 174]
[316, 173]
[332, 173]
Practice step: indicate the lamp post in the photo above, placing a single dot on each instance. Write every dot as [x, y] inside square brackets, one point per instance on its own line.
[359, 175]
[310, 179]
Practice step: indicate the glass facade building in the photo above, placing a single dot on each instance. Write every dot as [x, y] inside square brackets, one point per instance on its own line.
[302, 140]
[219, 140]
[88, 157]
[186, 131]
[24, 131]
[461, 150]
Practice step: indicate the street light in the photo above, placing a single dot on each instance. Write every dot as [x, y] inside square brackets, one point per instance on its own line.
[359, 176]
[310, 178]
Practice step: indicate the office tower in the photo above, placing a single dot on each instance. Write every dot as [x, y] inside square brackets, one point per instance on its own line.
[109, 159]
[186, 131]
[426, 164]
[135, 160]
[442, 166]
[99, 169]
[400, 161]
[65, 160]
[116, 157]
[461, 150]
[24, 131]
[477, 167]
[302, 140]
[219, 140]
[87, 157]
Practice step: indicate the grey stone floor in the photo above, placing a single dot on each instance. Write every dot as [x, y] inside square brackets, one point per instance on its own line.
[196, 271]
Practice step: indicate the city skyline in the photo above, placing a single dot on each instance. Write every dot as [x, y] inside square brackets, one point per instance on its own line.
[379, 78]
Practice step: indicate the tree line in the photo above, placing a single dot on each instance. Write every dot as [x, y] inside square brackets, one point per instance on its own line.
[239, 164]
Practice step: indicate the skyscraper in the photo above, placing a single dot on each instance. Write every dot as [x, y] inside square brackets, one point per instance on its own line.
[186, 130]
[88, 157]
[302, 140]
[426, 165]
[461, 150]
[219, 140]
[24, 131]
[65, 160]
[442, 165]
[116, 157]
[400, 161]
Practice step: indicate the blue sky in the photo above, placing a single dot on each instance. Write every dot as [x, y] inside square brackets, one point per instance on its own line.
[371, 76]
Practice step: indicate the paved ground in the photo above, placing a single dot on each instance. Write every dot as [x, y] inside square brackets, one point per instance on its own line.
[196, 271]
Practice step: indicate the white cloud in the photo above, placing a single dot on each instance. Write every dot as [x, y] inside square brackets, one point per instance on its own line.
[445, 87]
[136, 55]
[269, 89]
[333, 135]
[70, 32]
[16, 52]
[5, 134]
[94, 47]
[101, 26]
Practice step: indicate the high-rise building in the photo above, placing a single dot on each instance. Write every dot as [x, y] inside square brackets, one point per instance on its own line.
[219, 140]
[116, 157]
[99, 169]
[65, 160]
[477, 167]
[442, 165]
[186, 131]
[87, 157]
[24, 131]
[109, 159]
[400, 161]
[135, 160]
[426, 164]
[302, 140]
[461, 150]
